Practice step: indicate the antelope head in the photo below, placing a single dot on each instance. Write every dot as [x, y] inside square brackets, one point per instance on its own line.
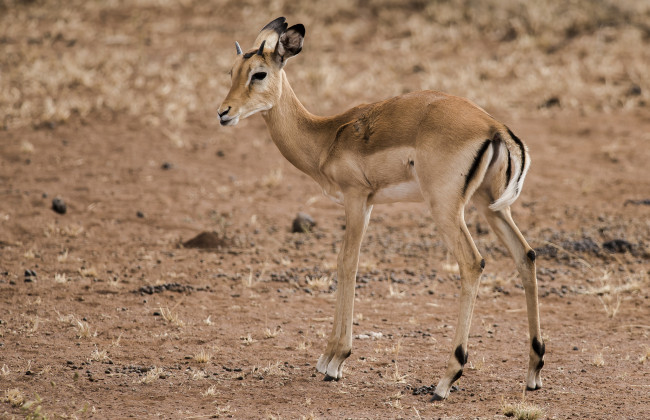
[256, 76]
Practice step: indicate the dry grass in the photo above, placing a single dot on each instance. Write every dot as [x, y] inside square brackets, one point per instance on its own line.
[171, 317]
[322, 283]
[395, 292]
[522, 410]
[644, 357]
[63, 257]
[14, 397]
[611, 289]
[271, 369]
[88, 271]
[268, 333]
[80, 60]
[598, 360]
[395, 376]
[247, 340]
[99, 355]
[272, 179]
[202, 357]
[83, 329]
[152, 375]
[210, 392]
[60, 278]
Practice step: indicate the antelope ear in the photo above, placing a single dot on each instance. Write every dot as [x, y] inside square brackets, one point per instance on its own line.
[289, 44]
[271, 33]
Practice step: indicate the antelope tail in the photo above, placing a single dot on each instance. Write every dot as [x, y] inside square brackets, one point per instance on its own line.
[517, 164]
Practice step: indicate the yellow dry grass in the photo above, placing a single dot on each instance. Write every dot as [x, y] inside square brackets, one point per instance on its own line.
[14, 397]
[522, 410]
[164, 62]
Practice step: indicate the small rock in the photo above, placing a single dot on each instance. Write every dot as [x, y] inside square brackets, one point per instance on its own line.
[550, 102]
[303, 223]
[645, 202]
[140, 214]
[362, 337]
[167, 166]
[208, 240]
[617, 246]
[220, 153]
[417, 68]
[59, 206]
[575, 348]
[634, 90]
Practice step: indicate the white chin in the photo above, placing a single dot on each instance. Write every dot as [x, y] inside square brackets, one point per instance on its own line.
[233, 121]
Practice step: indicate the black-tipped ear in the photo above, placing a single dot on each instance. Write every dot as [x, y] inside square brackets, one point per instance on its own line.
[290, 43]
[279, 25]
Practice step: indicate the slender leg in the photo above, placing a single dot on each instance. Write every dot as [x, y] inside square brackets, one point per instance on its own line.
[471, 265]
[339, 345]
[524, 256]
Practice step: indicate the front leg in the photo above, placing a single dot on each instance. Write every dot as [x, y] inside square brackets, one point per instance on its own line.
[339, 345]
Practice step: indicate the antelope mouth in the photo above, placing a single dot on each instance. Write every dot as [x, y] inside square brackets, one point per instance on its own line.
[227, 120]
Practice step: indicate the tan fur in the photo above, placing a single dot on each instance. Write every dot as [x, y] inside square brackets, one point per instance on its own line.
[414, 147]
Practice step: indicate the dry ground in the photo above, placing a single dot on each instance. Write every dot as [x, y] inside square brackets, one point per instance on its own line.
[112, 107]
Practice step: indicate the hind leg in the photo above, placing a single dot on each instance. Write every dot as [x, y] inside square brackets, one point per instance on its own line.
[471, 265]
[506, 229]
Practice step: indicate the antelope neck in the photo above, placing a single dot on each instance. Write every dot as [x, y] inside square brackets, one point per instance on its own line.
[301, 136]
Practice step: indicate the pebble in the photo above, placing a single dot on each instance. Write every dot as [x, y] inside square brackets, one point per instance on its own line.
[59, 206]
[140, 214]
[303, 223]
[617, 246]
[167, 166]
[369, 335]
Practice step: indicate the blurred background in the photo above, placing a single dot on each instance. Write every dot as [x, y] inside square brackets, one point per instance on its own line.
[165, 62]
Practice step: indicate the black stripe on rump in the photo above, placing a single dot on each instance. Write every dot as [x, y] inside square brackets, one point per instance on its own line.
[523, 152]
[508, 170]
[477, 161]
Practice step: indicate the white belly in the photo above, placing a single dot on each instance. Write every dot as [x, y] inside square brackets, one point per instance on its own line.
[405, 191]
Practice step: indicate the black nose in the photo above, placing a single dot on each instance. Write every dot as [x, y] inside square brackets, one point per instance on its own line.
[221, 114]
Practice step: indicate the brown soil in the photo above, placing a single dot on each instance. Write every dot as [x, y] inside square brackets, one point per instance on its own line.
[122, 320]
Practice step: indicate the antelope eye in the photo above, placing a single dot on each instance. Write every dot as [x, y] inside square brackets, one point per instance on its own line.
[258, 76]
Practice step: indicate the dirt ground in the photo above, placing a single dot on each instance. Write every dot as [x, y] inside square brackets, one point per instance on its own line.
[119, 319]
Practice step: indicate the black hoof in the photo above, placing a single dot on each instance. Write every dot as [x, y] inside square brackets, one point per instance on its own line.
[532, 389]
[328, 378]
[437, 397]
